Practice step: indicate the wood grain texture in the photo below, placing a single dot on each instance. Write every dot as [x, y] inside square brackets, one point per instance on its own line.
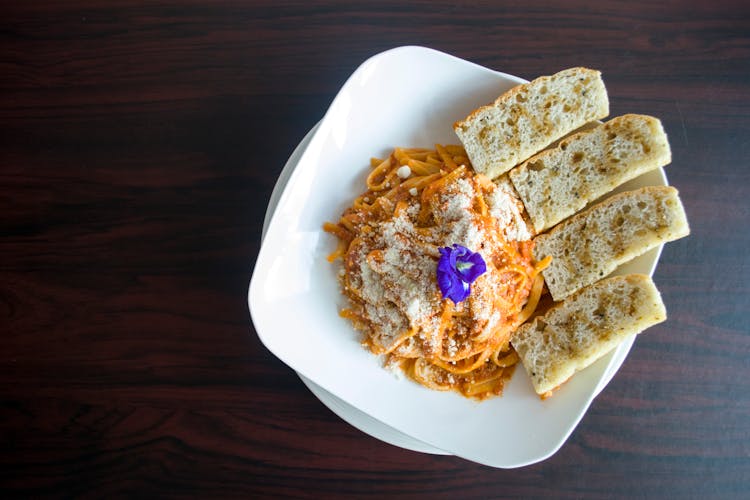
[139, 144]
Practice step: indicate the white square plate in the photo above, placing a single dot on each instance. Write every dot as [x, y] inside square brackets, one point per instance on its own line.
[409, 96]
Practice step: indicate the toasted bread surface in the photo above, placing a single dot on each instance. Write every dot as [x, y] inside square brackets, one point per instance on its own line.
[575, 333]
[560, 181]
[591, 244]
[530, 117]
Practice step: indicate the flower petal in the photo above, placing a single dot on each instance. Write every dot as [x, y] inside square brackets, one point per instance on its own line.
[457, 268]
[472, 267]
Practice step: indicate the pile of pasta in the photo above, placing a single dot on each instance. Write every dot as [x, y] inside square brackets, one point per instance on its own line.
[417, 201]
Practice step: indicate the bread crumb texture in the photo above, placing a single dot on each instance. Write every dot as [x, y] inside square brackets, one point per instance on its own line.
[589, 324]
[559, 182]
[590, 245]
[530, 117]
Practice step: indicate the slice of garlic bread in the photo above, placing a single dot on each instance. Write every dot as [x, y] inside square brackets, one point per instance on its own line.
[530, 117]
[575, 333]
[591, 244]
[560, 181]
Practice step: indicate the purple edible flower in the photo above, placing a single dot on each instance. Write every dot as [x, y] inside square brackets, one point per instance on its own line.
[457, 269]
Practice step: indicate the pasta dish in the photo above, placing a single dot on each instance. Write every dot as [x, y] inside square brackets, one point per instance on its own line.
[425, 211]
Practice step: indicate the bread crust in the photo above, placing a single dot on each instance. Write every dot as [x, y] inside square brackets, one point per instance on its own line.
[587, 325]
[530, 117]
[593, 243]
[508, 95]
[560, 181]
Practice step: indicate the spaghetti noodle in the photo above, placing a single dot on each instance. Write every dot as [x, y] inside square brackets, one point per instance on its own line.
[417, 201]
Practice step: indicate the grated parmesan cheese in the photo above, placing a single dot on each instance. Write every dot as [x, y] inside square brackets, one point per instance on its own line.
[507, 208]
[403, 172]
[393, 267]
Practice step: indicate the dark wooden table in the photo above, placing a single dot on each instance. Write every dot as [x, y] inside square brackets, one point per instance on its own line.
[138, 148]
